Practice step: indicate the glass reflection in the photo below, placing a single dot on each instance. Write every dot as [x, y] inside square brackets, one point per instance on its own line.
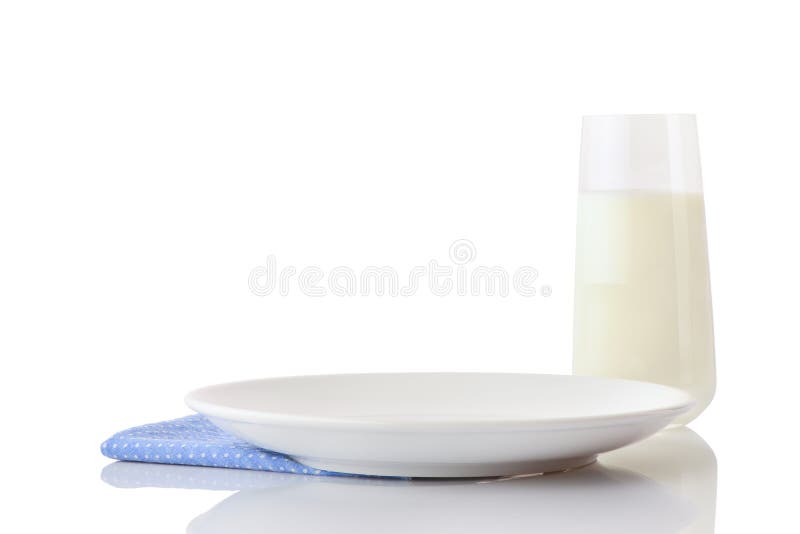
[680, 460]
[666, 484]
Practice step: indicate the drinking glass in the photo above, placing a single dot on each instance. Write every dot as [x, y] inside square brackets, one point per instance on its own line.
[642, 293]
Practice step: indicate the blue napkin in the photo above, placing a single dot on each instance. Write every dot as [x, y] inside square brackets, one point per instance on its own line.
[193, 440]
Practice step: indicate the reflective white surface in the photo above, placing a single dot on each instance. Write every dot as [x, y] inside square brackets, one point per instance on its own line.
[666, 484]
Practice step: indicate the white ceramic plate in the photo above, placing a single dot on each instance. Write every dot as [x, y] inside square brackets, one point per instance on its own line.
[441, 424]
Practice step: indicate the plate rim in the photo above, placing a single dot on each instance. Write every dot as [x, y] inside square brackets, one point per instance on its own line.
[682, 404]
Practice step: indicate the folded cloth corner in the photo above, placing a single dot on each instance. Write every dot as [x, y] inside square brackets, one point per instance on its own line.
[194, 440]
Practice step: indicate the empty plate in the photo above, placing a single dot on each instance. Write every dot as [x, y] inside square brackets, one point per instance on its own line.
[441, 424]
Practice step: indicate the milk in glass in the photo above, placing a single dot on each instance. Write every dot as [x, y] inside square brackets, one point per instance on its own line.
[642, 292]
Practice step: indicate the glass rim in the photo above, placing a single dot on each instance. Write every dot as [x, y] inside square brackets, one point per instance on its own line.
[636, 115]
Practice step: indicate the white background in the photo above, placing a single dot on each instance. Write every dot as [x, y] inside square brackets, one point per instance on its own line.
[152, 153]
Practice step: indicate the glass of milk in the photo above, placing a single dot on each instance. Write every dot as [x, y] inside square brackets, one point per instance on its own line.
[642, 294]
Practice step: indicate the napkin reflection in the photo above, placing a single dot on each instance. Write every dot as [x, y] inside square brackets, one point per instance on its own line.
[665, 484]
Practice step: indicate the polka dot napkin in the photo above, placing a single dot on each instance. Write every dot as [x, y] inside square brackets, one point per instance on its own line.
[193, 440]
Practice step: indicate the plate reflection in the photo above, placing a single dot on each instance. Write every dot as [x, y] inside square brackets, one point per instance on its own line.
[666, 484]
